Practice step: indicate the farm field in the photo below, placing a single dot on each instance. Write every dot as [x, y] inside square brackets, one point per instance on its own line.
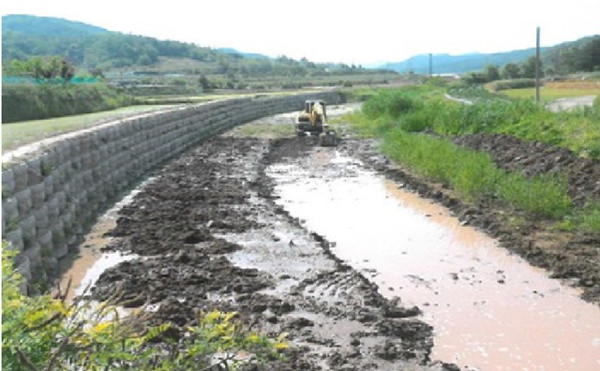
[556, 90]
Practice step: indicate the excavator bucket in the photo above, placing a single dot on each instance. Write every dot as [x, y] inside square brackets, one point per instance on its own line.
[327, 139]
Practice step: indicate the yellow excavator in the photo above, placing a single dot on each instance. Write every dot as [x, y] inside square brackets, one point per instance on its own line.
[312, 120]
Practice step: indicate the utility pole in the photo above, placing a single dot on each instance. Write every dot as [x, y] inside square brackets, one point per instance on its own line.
[537, 66]
[430, 65]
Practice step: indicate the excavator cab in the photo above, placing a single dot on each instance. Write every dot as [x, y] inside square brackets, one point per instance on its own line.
[313, 121]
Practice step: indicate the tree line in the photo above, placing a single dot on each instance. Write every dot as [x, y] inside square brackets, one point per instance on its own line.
[580, 56]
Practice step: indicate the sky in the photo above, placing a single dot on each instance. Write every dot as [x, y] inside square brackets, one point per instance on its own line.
[353, 32]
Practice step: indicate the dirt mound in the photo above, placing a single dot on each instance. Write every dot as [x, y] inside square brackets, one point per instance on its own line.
[534, 158]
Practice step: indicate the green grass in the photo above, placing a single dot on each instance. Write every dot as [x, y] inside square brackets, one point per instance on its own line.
[473, 174]
[549, 94]
[20, 133]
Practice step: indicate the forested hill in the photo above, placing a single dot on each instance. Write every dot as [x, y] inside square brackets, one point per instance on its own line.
[25, 36]
[47, 26]
[94, 48]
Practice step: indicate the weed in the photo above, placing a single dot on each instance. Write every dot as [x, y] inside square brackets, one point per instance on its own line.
[473, 174]
[542, 196]
[46, 169]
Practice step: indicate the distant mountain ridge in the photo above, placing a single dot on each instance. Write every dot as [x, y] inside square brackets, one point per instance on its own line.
[48, 26]
[445, 63]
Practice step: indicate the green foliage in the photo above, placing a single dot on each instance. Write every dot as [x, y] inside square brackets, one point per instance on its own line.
[46, 333]
[472, 93]
[580, 55]
[475, 78]
[542, 196]
[391, 103]
[528, 68]
[473, 174]
[511, 71]
[47, 68]
[578, 130]
[30, 102]
[513, 84]
[492, 72]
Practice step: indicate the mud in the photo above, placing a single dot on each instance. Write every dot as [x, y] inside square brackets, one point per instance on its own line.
[488, 308]
[209, 236]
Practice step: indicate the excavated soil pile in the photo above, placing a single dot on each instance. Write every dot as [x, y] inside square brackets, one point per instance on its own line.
[212, 208]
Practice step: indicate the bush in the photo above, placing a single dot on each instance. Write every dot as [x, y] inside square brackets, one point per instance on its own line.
[513, 84]
[389, 103]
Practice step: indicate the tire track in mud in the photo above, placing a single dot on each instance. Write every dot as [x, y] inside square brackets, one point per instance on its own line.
[211, 237]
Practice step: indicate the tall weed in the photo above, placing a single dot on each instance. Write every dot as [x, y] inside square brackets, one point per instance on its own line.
[474, 175]
[541, 196]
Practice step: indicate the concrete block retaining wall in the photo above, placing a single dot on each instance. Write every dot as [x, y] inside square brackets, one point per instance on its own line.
[48, 201]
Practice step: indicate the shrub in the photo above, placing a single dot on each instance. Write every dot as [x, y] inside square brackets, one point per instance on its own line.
[389, 103]
[513, 84]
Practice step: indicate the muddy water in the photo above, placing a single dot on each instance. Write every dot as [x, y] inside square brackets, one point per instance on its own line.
[88, 264]
[490, 310]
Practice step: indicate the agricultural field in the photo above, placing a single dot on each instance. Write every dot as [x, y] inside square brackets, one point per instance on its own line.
[555, 90]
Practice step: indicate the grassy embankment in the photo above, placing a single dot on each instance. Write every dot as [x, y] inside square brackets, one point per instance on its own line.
[399, 117]
[24, 132]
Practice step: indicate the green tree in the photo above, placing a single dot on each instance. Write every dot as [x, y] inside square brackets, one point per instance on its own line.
[589, 56]
[511, 71]
[528, 68]
[492, 72]
[42, 68]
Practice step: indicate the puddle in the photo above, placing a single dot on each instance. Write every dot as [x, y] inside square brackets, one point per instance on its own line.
[490, 310]
[91, 261]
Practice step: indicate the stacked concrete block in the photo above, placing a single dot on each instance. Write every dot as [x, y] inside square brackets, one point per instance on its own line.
[50, 200]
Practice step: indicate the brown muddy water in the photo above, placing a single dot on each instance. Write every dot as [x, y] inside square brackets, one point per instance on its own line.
[90, 262]
[490, 310]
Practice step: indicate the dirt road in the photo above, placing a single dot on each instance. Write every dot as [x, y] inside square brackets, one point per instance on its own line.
[570, 103]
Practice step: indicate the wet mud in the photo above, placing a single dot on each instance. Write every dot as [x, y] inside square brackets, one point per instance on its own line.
[490, 309]
[209, 236]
